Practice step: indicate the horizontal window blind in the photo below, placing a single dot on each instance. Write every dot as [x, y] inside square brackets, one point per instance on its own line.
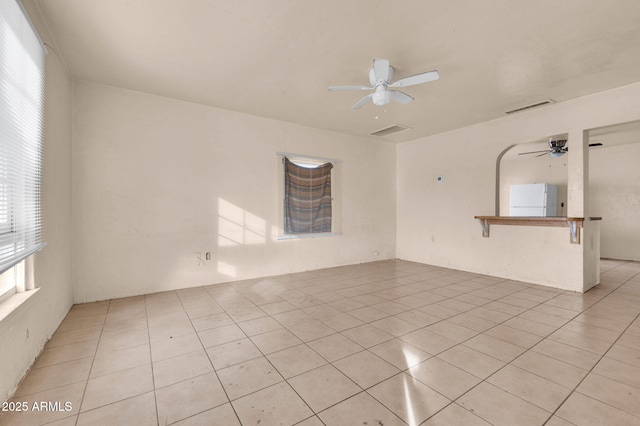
[21, 135]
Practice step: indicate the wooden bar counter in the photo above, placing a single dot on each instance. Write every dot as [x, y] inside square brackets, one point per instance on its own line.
[573, 223]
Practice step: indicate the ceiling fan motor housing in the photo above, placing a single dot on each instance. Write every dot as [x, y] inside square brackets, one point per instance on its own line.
[374, 82]
[557, 144]
[557, 147]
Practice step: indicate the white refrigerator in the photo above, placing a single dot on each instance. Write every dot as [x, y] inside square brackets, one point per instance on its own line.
[537, 199]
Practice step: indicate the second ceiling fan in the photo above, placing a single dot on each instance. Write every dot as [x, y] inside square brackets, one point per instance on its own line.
[380, 77]
[557, 148]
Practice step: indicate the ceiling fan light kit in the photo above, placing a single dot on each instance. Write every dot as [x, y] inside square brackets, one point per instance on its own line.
[381, 96]
[380, 76]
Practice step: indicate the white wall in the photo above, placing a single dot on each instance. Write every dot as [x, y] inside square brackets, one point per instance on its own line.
[157, 180]
[615, 195]
[24, 333]
[436, 222]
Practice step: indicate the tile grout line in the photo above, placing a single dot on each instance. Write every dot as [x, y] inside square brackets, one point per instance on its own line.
[423, 327]
[86, 385]
[599, 360]
[153, 379]
[357, 277]
[306, 344]
[210, 362]
[510, 362]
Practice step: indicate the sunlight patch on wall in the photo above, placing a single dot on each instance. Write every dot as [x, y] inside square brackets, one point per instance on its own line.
[275, 232]
[237, 226]
[227, 269]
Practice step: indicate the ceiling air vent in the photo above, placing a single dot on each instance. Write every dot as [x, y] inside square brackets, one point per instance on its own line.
[536, 105]
[388, 131]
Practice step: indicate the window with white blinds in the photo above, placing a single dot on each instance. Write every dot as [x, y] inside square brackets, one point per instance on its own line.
[21, 135]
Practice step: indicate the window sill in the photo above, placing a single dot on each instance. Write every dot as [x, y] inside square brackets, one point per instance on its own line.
[15, 303]
[299, 236]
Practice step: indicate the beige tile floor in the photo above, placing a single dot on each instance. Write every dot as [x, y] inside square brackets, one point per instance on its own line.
[384, 343]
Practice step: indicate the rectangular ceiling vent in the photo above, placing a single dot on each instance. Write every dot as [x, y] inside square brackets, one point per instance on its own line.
[536, 105]
[388, 131]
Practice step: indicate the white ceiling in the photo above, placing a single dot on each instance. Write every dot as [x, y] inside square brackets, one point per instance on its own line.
[276, 58]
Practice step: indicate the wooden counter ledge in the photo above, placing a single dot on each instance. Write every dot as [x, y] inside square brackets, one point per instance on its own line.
[573, 223]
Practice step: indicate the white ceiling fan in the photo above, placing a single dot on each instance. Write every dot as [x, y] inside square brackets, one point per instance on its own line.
[380, 77]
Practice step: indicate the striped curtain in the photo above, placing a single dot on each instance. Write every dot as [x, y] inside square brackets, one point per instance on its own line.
[307, 199]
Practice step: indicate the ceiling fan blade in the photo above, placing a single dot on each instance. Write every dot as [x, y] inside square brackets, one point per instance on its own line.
[534, 152]
[362, 101]
[591, 145]
[381, 69]
[425, 77]
[334, 88]
[398, 96]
